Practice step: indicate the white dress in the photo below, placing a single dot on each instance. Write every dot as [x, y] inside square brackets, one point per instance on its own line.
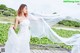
[19, 43]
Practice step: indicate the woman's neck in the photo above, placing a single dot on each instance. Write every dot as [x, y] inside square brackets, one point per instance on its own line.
[22, 15]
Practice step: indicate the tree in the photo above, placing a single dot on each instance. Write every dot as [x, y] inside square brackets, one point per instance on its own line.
[3, 7]
[7, 11]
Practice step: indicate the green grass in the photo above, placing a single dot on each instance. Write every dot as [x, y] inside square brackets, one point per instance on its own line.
[65, 33]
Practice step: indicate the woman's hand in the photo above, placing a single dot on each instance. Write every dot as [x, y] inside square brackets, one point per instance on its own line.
[12, 26]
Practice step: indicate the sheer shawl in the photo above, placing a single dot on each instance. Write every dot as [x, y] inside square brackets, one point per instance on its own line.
[41, 26]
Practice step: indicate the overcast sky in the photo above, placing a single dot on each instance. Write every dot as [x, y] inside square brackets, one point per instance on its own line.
[46, 6]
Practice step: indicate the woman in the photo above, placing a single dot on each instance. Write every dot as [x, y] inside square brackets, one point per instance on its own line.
[37, 27]
[19, 43]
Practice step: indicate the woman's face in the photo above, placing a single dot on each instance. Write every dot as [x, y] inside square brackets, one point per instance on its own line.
[25, 9]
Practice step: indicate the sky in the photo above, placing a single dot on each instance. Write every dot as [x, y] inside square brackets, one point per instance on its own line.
[46, 6]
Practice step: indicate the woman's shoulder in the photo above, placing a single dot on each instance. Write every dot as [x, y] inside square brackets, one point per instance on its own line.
[17, 18]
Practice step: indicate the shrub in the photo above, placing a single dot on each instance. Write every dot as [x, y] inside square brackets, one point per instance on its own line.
[69, 23]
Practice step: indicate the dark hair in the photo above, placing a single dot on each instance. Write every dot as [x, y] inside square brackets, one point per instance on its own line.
[20, 10]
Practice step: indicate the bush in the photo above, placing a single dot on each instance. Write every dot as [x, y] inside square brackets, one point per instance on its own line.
[3, 32]
[7, 13]
[69, 23]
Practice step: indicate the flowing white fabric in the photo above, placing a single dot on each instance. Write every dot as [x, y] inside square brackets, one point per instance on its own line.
[39, 27]
[43, 28]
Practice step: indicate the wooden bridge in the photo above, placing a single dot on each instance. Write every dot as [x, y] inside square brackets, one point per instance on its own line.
[42, 49]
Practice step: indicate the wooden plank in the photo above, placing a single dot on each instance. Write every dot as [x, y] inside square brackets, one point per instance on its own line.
[41, 49]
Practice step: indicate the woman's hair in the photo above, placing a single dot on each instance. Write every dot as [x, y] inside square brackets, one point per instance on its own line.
[21, 9]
